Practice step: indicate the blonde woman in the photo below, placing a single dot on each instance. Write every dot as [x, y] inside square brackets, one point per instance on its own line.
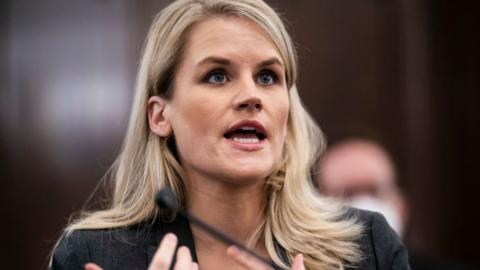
[217, 118]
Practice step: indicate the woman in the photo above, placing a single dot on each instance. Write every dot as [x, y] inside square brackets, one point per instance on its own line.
[217, 118]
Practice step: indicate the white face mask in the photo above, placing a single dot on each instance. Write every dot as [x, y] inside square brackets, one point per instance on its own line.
[389, 211]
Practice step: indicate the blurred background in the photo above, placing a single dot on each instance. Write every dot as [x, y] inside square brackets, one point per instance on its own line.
[405, 70]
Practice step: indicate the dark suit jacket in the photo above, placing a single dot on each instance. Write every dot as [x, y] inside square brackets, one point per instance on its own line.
[133, 248]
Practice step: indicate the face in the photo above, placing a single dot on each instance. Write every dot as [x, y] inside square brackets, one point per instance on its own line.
[229, 108]
[362, 172]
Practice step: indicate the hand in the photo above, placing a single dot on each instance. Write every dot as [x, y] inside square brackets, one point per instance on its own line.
[164, 256]
[251, 263]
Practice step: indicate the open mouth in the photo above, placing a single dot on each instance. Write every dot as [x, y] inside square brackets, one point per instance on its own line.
[246, 134]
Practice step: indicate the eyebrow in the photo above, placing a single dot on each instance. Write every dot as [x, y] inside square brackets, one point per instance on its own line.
[271, 61]
[213, 59]
[225, 61]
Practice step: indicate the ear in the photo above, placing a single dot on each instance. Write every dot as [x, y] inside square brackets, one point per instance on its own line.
[158, 116]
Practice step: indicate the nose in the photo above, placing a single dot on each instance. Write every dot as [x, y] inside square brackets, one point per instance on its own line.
[253, 103]
[248, 99]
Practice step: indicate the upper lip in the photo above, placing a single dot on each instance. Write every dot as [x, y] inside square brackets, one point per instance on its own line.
[248, 123]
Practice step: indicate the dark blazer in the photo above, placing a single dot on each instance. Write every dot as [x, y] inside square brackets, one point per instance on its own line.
[133, 248]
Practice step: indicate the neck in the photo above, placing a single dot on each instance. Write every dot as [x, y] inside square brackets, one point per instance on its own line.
[235, 210]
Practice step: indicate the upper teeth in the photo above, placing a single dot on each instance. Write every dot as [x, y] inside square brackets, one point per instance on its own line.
[245, 140]
[247, 128]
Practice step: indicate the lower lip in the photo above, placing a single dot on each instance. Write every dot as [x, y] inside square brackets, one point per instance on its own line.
[246, 146]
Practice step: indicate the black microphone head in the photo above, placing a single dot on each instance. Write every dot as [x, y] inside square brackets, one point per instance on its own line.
[165, 198]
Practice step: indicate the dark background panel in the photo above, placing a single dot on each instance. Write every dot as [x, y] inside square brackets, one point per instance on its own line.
[405, 70]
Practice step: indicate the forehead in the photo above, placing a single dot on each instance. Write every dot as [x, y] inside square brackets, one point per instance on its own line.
[357, 163]
[229, 36]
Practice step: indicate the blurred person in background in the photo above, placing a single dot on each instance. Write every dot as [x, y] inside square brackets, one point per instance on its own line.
[361, 171]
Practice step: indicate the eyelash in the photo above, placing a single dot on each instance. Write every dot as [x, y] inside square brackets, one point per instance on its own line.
[263, 72]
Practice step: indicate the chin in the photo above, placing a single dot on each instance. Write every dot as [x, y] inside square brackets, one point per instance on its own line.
[250, 171]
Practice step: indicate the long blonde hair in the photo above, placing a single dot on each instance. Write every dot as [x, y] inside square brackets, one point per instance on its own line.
[296, 217]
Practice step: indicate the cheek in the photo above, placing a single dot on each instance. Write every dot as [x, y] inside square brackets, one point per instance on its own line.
[283, 116]
[280, 118]
[192, 120]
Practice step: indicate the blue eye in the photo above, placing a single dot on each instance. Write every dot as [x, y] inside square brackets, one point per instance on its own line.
[216, 77]
[267, 78]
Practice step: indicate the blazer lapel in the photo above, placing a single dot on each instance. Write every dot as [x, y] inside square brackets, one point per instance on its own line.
[181, 228]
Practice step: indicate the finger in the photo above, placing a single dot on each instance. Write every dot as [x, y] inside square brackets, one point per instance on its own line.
[164, 255]
[195, 266]
[184, 259]
[92, 266]
[298, 263]
[246, 260]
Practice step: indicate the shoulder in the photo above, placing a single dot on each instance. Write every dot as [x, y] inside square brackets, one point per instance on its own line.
[78, 247]
[71, 251]
[381, 246]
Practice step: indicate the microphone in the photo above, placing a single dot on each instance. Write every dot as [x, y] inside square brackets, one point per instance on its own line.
[165, 198]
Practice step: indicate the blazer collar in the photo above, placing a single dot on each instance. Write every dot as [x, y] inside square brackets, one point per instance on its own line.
[181, 228]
